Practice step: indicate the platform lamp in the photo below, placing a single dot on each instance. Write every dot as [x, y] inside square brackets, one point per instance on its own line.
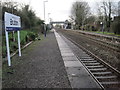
[44, 18]
[44, 8]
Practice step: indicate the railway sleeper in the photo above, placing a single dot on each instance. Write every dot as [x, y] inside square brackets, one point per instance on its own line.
[98, 69]
[90, 61]
[98, 66]
[82, 54]
[106, 77]
[86, 59]
[114, 86]
[102, 73]
[91, 64]
[110, 83]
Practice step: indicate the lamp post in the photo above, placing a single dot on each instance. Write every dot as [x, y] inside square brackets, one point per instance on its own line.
[102, 26]
[103, 21]
[44, 9]
[44, 19]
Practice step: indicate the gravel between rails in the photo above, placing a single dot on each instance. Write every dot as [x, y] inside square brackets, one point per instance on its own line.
[41, 66]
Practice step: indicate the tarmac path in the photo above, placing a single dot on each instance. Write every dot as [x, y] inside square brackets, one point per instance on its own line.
[41, 66]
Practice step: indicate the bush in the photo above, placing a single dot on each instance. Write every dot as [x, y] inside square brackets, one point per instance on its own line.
[14, 45]
[25, 36]
[31, 36]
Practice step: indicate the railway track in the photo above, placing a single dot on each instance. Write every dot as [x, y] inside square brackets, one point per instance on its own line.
[103, 73]
[104, 43]
[102, 50]
[107, 44]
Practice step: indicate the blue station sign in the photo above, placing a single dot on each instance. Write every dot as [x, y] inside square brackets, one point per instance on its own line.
[12, 22]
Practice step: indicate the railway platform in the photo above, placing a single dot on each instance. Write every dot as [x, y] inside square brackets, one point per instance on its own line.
[49, 63]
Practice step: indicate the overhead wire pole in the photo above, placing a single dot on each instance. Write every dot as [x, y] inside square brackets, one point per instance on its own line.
[103, 21]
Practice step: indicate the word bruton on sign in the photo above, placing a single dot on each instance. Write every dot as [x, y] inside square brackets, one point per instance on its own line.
[12, 23]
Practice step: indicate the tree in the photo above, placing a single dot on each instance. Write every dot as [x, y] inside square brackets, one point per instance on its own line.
[80, 11]
[10, 7]
[28, 17]
[106, 10]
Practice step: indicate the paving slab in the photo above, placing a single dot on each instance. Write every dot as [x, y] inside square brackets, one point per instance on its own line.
[72, 63]
[67, 54]
[71, 58]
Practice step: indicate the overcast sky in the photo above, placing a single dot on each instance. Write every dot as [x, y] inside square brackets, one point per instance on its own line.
[59, 10]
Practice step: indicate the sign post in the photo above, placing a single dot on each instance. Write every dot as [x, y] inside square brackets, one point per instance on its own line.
[19, 43]
[8, 49]
[12, 23]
